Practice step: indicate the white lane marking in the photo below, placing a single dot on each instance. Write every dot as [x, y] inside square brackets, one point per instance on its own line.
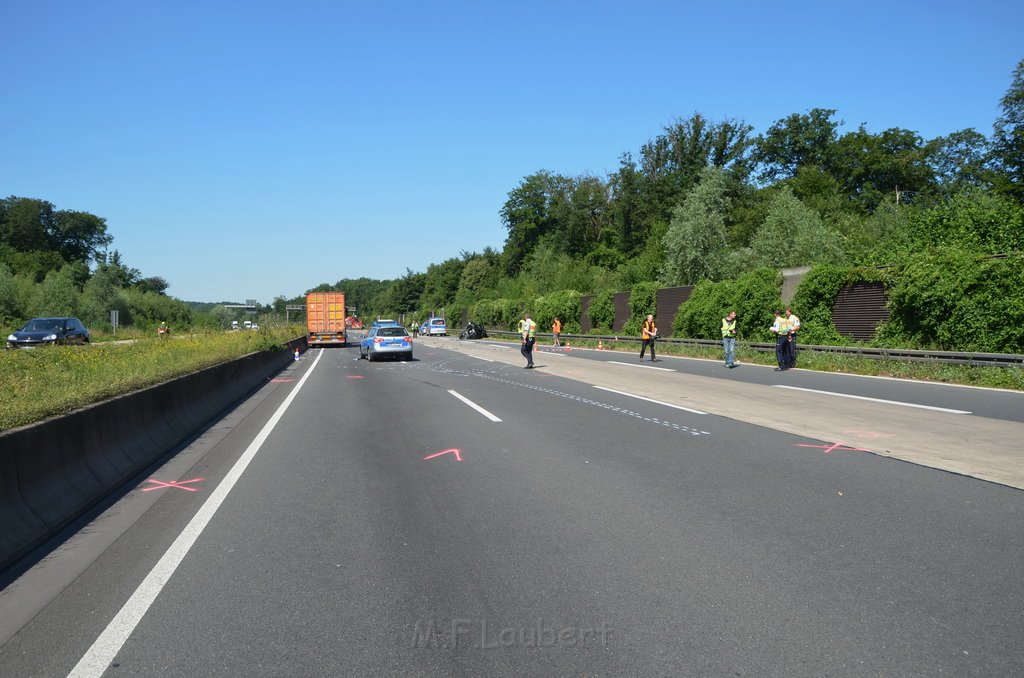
[646, 367]
[474, 406]
[875, 400]
[651, 400]
[480, 358]
[98, 658]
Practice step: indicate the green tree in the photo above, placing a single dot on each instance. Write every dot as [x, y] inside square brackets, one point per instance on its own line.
[960, 160]
[528, 215]
[1008, 138]
[480, 274]
[79, 236]
[793, 235]
[25, 224]
[795, 142]
[100, 296]
[972, 219]
[872, 166]
[57, 295]
[696, 239]
[152, 284]
[441, 283]
[672, 163]
[10, 310]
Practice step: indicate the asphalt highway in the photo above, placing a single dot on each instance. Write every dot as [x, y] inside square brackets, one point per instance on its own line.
[458, 515]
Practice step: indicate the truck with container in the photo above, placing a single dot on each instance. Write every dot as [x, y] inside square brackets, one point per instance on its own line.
[325, 319]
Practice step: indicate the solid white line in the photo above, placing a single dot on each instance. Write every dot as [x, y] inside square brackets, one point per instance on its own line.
[646, 367]
[99, 657]
[474, 406]
[875, 400]
[650, 400]
[480, 358]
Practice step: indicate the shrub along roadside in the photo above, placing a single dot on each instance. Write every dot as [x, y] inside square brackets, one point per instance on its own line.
[753, 295]
[50, 381]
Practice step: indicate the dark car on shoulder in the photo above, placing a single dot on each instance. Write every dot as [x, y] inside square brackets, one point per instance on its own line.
[44, 331]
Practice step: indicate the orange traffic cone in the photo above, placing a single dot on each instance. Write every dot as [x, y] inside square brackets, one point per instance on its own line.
[600, 345]
[568, 347]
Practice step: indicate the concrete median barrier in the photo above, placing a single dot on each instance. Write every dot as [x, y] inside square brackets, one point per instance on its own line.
[53, 471]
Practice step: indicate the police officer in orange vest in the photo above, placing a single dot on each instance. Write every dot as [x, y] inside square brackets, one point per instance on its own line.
[648, 333]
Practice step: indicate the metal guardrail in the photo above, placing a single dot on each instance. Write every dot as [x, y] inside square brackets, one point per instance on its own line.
[973, 359]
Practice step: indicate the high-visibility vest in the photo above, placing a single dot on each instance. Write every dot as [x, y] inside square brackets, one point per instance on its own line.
[529, 329]
[648, 329]
[728, 328]
[556, 327]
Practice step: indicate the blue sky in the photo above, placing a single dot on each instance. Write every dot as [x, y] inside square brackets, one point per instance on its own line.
[245, 150]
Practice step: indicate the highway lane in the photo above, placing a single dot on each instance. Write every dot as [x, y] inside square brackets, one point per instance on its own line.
[992, 403]
[622, 536]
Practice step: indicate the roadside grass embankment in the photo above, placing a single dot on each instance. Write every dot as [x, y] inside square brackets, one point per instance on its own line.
[53, 380]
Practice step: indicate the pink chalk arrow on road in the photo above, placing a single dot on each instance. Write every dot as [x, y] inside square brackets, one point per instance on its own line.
[455, 451]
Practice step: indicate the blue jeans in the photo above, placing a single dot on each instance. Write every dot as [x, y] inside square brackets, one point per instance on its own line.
[729, 345]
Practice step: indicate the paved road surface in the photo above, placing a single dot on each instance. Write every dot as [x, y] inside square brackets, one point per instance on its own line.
[458, 515]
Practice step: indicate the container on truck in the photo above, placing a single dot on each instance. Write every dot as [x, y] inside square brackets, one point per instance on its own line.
[325, 319]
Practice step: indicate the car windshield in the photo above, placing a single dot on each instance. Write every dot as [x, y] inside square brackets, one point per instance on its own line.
[44, 325]
[392, 332]
[438, 321]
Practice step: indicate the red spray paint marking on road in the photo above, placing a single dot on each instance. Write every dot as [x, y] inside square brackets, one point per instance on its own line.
[455, 451]
[355, 376]
[180, 484]
[281, 381]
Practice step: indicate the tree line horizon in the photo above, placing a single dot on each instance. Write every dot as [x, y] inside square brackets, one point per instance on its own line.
[703, 201]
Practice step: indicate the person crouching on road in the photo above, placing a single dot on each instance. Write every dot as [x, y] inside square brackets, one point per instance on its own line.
[529, 334]
[729, 339]
[648, 333]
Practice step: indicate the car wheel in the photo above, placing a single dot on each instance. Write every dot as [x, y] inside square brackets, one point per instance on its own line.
[369, 356]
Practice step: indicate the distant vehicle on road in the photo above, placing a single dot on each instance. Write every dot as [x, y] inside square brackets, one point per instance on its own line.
[436, 326]
[43, 331]
[388, 340]
[385, 322]
[325, 319]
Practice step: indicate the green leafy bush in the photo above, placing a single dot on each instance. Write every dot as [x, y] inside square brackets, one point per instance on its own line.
[565, 304]
[953, 299]
[754, 296]
[642, 301]
[816, 297]
[602, 312]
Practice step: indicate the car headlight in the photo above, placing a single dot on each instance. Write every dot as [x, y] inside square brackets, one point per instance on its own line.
[11, 337]
[50, 337]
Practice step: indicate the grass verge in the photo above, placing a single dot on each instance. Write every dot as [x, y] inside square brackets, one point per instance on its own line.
[54, 380]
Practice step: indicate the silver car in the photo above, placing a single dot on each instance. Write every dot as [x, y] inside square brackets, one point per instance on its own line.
[381, 341]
